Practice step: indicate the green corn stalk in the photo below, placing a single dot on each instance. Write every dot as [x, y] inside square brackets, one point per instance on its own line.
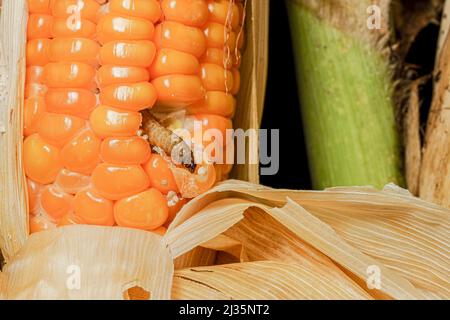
[346, 92]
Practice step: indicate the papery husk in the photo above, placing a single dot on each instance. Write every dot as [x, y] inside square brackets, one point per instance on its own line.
[250, 99]
[13, 202]
[107, 261]
[261, 280]
[279, 244]
[435, 169]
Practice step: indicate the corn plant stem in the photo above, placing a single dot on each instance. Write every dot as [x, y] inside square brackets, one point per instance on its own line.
[346, 100]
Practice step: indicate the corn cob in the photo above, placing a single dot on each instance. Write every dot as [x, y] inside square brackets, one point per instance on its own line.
[88, 80]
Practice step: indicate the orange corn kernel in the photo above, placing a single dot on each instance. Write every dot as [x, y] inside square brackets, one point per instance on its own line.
[69, 75]
[220, 12]
[146, 9]
[40, 223]
[217, 56]
[215, 102]
[177, 36]
[81, 29]
[107, 121]
[116, 182]
[91, 208]
[237, 59]
[161, 231]
[241, 8]
[58, 129]
[82, 154]
[34, 74]
[33, 111]
[41, 160]
[216, 78]
[33, 189]
[74, 50]
[128, 53]
[72, 182]
[75, 102]
[194, 184]
[35, 89]
[189, 12]
[37, 52]
[133, 97]
[169, 61]
[55, 202]
[147, 210]
[236, 81]
[125, 150]
[214, 130]
[39, 6]
[175, 203]
[69, 219]
[39, 26]
[179, 89]
[240, 40]
[217, 36]
[211, 121]
[113, 27]
[160, 174]
[86, 9]
[109, 75]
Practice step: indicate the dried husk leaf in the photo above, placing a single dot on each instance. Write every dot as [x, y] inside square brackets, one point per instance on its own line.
[264, 280]
[108, 261]
[413, 242]
[220, 215]
[411, 137]
[250, 99]
[386, 209]
[199, 256]
[435, 170]
[13, 208]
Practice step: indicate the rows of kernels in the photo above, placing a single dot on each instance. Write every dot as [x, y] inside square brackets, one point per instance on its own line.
[219, 64]
[61, 140]
[126, 33]
[38, 36]
[230, 14]
[85, 161]
[71, 77]
[219, 71]
[180, 42]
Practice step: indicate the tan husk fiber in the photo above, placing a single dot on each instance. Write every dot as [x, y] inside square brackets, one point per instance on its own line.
[435, 169]
[312, 244]
[13, 209]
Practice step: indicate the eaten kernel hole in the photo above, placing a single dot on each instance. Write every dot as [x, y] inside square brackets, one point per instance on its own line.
[136, 293]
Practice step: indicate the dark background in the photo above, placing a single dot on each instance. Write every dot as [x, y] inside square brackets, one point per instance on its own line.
[282, 107]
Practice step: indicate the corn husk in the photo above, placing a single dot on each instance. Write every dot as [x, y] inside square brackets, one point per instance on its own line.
[312, 244]
[250, 99]
[13, 204]
[244, 281]
[435, 167]
[13, 209]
